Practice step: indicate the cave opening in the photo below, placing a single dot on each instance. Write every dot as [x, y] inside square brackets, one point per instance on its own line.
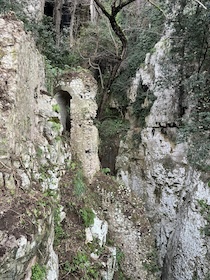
[48, 8]
[63, 99]
[65, 14]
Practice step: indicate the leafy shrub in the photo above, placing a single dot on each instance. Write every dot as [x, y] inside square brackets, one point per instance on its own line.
[6, 6]
[205, 212]
[112, 127]
[81, 266]
[79, 184]
[141, 40]
[88, 216]
[59, 57]
[190, 54]
[140, 109]
[59, 233]
[38, 272]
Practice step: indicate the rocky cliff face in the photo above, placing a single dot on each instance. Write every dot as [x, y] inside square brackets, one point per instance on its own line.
[42, 137]
[157, 168]
[31, 157]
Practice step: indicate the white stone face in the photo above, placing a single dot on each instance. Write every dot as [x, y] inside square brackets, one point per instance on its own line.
[52, 266]
[34, 9]
[97, 233]
[99, 230]
[84, 134]
[108, 274]
[22, 243]
[158, 171]
[30, 150]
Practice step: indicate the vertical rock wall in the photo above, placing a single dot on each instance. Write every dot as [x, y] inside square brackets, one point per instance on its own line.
[31, 157]
[33, 9]
[157, 169]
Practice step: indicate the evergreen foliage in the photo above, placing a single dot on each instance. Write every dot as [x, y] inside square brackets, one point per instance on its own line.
[140, 109]
[141, 40]
[11, 5]
[88, 216]
[38, 272]
[59, 57]
[191, 55]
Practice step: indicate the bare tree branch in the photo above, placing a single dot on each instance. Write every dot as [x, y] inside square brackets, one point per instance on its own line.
[116, 10]
[156, 6]
[199, 2]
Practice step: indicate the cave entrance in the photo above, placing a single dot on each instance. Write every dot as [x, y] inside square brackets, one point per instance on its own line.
[65, 12]
[48, 8]
[63, 99]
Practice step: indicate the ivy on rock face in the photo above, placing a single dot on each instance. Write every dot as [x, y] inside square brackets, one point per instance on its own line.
[140, 110]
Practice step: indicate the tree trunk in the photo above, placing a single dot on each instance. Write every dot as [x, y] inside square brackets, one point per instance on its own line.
[57, 14]
[93, 12]
[112, 17]
[72, 22]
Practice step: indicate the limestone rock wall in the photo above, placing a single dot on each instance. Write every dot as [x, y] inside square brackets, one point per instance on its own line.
[83, 133]
[157, 169]
[31, 157]
[34, 9]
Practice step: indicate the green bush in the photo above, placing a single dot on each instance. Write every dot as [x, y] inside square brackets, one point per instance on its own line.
[140, 110]
[38, 272]
[205, 212]
[59, 232]
[78, 183]
[191, 55]
[112, 127]
[141, 40]
[82, 267]
[12, 5]
[88, 216]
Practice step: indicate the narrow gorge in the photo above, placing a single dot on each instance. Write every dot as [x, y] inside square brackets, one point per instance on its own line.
[104, 159]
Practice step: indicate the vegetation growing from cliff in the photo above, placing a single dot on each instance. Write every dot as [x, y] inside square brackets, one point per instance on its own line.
[142, 37]
[77, 201]
[112, 45]
[142, 105]
[205, 212]
[111, 130]
[38, 272]
[191, 55]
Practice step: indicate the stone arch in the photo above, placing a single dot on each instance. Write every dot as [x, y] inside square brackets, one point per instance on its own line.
[63, 98]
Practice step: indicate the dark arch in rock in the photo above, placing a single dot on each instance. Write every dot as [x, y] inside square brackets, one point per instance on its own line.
[63, 99]
[48, 8]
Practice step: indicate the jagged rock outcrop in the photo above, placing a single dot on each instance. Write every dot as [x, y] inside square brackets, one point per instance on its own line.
[82, 89]
[129, 229]
[32, 157]
[158, 170]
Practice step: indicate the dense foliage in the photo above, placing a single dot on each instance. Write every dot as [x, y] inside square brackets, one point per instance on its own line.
[142, 37]
[191, 55]
[97, 47]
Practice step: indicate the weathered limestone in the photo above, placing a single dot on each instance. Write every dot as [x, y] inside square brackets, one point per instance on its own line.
[33, 9]
[157, 169]
[98, 233]
[31, 156]
[83, 133]
[129, 229]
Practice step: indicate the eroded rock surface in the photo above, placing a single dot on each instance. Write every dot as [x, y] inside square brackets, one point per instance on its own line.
[83, 133]
[31, 156]
[157, 169]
